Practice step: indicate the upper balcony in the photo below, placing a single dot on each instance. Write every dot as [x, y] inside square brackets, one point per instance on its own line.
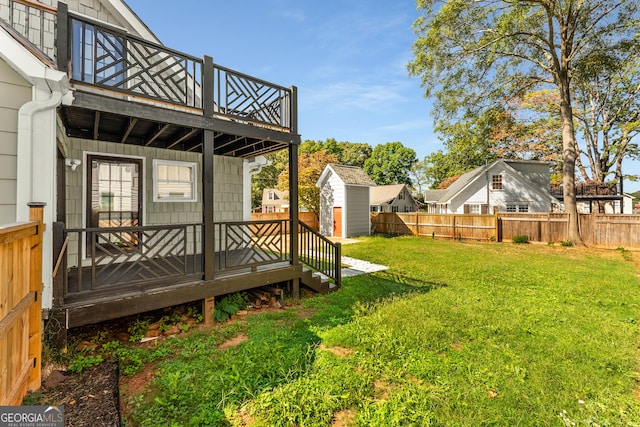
[163, 88]
[591, 191]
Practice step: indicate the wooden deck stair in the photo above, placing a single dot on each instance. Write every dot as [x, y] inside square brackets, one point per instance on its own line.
[317, 281]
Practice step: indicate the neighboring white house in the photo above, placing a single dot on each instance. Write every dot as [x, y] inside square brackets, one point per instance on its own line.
[508, 185]
[344, 201]
[275, 200]
[391, 198]
[622, 206]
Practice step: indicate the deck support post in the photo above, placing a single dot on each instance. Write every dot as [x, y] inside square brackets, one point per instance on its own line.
[293, 192]
[208, 230]
[208, 307]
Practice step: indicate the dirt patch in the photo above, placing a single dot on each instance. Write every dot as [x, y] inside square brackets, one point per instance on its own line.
[344, 418]
[338, 351]
[233, 342]
[89, 399]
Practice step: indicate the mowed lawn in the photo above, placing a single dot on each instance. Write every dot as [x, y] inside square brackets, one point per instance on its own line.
[454, 334]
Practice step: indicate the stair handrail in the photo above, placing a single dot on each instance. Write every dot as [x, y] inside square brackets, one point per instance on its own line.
[320, 253]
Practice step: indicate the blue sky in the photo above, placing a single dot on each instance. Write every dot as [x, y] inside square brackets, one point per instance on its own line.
[347, 57]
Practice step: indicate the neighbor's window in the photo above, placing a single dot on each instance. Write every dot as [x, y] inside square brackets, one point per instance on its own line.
[474, 209]
[394, 209]
[523, 208]
[512, 208]
[174, 181]
[496, 182]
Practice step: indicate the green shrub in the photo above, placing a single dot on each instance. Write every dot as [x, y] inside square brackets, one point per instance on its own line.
[230, 305]
[520, 238]
[567, 243]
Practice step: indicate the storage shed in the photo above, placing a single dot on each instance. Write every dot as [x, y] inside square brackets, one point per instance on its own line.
[344, 201]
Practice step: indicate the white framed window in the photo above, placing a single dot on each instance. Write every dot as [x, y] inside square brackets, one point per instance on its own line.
[523, 207]
[474, 209]
[174, 181]
[394, 209]
[512, 208]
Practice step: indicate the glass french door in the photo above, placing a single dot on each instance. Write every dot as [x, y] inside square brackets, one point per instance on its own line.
[114, 196]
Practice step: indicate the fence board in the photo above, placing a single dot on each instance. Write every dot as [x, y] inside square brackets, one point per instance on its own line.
[20, 309]
[609, 231]
[309, 218]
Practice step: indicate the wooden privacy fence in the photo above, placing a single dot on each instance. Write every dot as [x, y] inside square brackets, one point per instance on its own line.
[20, 307]
[610, 231]
[308, 218]
[452, 226]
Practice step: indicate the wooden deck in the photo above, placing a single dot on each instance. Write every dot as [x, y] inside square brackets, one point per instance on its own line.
[96, 307]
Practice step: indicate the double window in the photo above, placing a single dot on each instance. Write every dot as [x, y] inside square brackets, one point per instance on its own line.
[518, 207]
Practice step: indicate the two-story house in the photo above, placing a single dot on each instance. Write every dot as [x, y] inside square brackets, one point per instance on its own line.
[141, 154]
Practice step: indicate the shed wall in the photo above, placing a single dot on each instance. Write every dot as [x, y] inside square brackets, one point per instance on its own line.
[356, 212]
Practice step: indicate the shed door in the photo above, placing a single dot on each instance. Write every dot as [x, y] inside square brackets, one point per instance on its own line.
[337, 222]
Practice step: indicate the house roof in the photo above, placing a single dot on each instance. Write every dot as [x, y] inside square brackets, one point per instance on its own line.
[384, 193]
[445, 195]
[349, 175]
[280, 198]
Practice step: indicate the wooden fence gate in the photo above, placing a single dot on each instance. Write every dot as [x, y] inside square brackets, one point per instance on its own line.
[20, 307]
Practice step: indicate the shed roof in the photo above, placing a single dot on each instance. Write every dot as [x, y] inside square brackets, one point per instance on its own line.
[349, 175]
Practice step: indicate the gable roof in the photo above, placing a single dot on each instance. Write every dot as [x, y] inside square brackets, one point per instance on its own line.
[445, 195]
[280, 197]
[384, 193]
[349, 175]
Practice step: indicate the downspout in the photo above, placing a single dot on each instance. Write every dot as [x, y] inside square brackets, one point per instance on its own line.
[36, 171]
[25, 150]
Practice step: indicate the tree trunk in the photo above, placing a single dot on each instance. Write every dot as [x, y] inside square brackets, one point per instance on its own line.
[569, 156]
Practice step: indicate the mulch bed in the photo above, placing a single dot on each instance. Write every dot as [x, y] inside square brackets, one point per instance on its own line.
[90, 398]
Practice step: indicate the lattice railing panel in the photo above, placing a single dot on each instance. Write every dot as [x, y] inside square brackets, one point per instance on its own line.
[250, 99]
[116, 61]
[249, 244]
[124, 255]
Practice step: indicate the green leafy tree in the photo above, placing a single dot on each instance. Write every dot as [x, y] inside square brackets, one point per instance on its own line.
[390, 163]
[268, 176]
[310, 167]
[474, 55]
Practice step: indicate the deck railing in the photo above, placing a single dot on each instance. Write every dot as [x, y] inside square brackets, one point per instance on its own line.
[320, 253]
[109, 58]
[249, 244]
[126, 256]
[589, 190]
[103, 56]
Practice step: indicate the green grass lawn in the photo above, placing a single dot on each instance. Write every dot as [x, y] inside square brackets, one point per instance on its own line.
[459, 334]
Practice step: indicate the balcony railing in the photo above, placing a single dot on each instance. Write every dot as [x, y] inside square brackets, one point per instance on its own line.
[109, 58]
[589, 190]
[106, 57]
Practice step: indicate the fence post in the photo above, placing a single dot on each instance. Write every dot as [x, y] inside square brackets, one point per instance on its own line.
[497, 223]
[36, 213]
[453, 220]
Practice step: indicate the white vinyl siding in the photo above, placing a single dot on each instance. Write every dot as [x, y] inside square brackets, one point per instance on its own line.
[15, 92]
[357, 212]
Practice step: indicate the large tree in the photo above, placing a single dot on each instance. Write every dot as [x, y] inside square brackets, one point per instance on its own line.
[474, 55]
[390, 163]
[310, 167]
